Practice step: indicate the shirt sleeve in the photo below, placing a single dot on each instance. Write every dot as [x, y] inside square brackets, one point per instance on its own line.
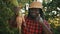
[47, 24]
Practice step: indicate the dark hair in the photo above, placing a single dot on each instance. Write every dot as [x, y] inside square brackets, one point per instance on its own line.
[40, 11]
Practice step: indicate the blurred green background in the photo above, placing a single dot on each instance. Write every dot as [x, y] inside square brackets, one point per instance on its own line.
[8, 9]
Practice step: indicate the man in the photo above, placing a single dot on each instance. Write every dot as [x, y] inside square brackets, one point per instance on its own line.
[34, 23]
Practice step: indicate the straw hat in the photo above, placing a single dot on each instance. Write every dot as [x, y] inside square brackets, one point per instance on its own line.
[36, 5]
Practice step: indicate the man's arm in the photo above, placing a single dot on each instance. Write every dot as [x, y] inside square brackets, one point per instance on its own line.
[46, 28]
[45, 25]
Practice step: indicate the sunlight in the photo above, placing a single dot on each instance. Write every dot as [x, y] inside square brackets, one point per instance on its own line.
[40, 1]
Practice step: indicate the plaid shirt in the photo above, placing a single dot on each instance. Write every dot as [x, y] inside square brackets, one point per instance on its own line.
[32, 27]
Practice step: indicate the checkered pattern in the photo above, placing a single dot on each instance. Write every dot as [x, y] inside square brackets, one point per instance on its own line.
[31, 27]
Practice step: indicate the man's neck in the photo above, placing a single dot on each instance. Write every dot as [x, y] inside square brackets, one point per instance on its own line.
[33, 18]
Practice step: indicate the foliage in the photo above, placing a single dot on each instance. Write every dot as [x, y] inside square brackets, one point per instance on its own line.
[52, 14]
[6, 12]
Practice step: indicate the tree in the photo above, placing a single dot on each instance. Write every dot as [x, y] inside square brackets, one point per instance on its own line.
[52, 14]
[6, 12]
